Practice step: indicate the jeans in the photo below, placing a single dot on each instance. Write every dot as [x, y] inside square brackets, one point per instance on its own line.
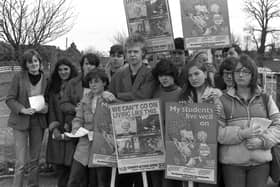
[83, 176]
[245, 176]
[32, 136]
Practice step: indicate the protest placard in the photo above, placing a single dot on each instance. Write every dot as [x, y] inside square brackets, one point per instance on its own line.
[138, 136]
[191, 142]
[103, 144]
[151, 19]
[205, 23]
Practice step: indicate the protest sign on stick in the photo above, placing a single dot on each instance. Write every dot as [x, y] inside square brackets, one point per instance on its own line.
[151, 19]
[191, 142]
[205, 23]
[138, 136]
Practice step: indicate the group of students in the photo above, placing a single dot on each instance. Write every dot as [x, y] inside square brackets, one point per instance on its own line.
[231, 85]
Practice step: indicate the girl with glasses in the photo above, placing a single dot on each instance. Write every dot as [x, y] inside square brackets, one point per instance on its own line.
[249, 125]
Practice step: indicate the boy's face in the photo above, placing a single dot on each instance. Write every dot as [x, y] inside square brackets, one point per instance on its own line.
[97, 86]
[116, 60]
[178, 58]
[134, 54]
[87, 67]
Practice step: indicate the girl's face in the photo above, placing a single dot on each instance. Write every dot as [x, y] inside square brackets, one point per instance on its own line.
[97, 86]
[242, 76]
[166, 80]
[64, 72]
[87, 67]
[33, 66]
[196, 77]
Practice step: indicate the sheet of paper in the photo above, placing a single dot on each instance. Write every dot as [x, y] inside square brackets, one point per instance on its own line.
[80, 133]
[37, 102]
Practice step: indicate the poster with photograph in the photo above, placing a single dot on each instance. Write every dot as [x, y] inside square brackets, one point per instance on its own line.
[151, 19]
[205, 23]
[191, 142]
[138, 136]
[103, 144]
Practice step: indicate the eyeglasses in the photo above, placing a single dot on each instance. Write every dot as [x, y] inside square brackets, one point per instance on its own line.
[242, 71]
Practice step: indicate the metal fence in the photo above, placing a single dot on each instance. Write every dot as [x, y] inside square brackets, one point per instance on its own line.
[9, 68]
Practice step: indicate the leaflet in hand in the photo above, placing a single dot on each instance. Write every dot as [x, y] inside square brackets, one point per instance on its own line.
[80, 133]
[37, 102]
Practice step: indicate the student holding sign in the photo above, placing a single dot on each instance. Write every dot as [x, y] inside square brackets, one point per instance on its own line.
[134, 82]
[28, 123]
[91, 114]
[199, 89]
[167, 90]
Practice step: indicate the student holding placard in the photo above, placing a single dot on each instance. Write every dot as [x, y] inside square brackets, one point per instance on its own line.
[167, 90]
[133, 82]
[199, 89]
[28, 123]
[92, 115]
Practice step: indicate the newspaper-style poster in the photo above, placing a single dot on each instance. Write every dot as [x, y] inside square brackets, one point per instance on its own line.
[138, 136]
[205, 23]
[103, 144]
[151, 19]
[191, 142]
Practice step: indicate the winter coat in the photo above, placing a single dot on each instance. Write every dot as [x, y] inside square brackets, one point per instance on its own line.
[58, 151]
[236, 114]
[17, 99]
[93, 116]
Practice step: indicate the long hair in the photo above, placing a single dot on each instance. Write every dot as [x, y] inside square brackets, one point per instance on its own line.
[56, 81]
[189, 90]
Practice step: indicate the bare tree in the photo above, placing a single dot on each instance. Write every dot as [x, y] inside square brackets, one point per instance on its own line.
[119, 38]
[263, 12]
[25, 22]
[235, 39]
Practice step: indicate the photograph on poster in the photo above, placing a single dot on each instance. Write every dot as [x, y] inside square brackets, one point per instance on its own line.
[148, 124]
[126, 126]
[151, 144]
[160, 26]
[136, 9]
[141, 27]
[204, 18]
[157, 7]
[128, 146]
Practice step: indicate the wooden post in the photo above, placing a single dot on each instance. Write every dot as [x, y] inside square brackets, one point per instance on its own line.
[113, 177]
[188, 184]
[144, 178]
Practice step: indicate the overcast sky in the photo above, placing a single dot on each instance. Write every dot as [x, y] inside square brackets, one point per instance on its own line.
[99, 20]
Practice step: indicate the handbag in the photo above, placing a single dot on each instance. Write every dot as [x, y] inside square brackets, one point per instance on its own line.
[274, 165]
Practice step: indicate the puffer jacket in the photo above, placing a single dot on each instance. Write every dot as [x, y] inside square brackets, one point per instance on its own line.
[235, 114]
